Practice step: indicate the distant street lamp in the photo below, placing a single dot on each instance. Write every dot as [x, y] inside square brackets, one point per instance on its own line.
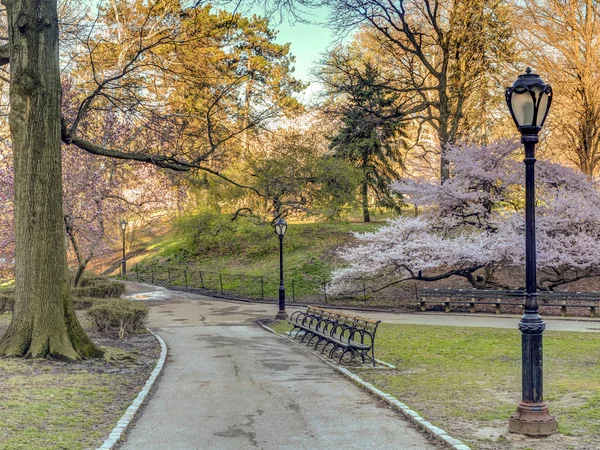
[529, 101]
[123, 224]
[280, 229]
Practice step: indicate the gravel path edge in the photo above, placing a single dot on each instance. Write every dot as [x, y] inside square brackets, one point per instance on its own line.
[126, 419]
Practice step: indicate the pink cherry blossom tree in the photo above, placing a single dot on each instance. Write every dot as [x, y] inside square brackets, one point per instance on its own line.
[7, 235]
[474, 223]
[98, 193]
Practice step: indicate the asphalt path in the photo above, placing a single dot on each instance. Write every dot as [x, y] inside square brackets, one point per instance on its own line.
[228, 384]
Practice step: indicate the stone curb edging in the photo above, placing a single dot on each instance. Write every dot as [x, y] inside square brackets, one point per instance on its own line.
[413, 416]
[123, 423]
[383, 363]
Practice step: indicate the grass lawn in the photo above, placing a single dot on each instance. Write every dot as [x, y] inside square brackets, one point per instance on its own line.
[43, 409]
[49, 405]
[468, 381]
[251, 250]
[6, 284]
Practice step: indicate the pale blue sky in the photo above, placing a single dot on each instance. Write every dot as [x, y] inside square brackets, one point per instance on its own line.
[308, 43]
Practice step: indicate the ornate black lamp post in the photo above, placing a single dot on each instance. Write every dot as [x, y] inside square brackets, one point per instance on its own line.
[123, 224]
[280, 229]
[529, 101]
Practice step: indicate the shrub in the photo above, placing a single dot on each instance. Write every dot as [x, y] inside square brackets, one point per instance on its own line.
[100, 289]
[127, 316]
[7, 302]
[81, 303]
[89, 279]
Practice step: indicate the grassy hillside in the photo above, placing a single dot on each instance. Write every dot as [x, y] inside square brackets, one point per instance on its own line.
[213, 242]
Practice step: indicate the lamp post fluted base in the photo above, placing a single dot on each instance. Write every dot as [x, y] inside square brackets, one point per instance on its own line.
[533, 419]
[281, 315]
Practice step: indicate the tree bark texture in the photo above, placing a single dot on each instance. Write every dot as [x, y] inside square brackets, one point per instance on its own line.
[44, 321]
[365, 201]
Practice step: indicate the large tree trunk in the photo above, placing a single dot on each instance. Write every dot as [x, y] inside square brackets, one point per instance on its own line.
[444, 135]
[44, 321]
[365, 187]
[365, 201]
[79, 274]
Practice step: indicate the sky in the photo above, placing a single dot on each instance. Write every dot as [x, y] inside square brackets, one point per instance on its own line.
[308, 44]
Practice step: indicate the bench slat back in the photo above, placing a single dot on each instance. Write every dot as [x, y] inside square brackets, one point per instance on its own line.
[500, 294]
[344, 319]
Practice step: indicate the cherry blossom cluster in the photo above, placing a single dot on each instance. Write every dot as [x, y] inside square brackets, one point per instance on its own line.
[474, 223]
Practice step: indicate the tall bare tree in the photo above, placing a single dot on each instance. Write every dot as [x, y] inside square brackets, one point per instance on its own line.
[443, 49]
[566, 49]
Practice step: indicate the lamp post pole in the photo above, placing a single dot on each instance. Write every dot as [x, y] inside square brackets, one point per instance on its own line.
[280, 229]
[532, 417]
[123, 224]
[281, 314]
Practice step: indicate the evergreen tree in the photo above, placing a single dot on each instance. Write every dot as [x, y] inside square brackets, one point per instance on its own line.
[368, 137]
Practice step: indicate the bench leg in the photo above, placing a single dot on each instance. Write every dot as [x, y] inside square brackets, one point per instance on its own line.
[447, 307]
[348, 351]
[300, 330]
[321, 339]
[325, 346]
[311, 338]
[297, 331]
[592, 311]
[307, 333]
[498, 308]
[563, 310]
[331, 353]
[471, 307]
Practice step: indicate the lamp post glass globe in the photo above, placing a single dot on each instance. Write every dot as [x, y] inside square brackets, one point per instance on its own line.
[280, 229]
[529, 100]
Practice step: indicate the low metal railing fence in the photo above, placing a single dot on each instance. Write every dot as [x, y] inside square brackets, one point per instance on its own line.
[260, 287]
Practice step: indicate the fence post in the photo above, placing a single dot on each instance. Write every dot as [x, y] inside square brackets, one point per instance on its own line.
[293, 291]
[137, 273]
[364, 292]
[201, 279]
[325, 291]
[221, 281]
[152, 272]
[262, 288]
[169, 274]
[185, 277]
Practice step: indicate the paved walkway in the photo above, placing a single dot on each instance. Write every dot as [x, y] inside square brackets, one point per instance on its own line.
[230, 385]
